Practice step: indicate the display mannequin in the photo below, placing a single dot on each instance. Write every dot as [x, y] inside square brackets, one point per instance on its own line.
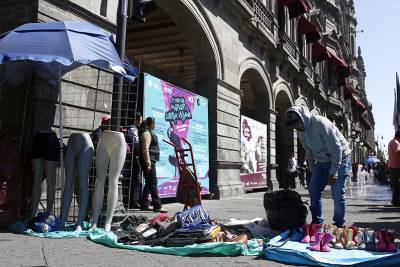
[110, 153]
[78, 161]
[45, 157]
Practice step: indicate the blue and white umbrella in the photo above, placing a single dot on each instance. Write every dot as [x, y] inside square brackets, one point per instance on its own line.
[50, 50]
[372, 160]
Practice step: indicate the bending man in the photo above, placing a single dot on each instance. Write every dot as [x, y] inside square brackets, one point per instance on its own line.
[328, 154]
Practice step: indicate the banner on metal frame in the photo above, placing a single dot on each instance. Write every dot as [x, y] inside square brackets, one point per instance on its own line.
[178, 113]
[253, 153]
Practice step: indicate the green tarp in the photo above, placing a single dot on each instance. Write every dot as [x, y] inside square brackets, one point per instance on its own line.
[67, 233]
[215, 249]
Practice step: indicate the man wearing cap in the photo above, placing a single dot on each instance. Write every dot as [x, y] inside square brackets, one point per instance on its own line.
[328, 156]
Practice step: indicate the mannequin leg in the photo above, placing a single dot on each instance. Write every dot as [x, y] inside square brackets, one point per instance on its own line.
[84, 164]
[50, 172]
[70, 171]
[102, 161]
[37, 165]
[116, 163]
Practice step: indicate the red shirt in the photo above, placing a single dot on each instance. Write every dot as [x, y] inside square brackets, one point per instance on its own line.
[394, 153]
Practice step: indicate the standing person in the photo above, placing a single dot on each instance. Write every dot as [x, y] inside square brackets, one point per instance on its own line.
[135, 185]
[394, 166]
[292, 171]
[302, 172]
[328, 153]
[148, 157]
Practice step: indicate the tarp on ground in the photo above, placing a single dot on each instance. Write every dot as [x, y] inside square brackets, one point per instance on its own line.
[67, 233]
[206, 249]
[297, 253]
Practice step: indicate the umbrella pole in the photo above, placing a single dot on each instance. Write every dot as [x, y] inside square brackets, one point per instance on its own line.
[61, 118]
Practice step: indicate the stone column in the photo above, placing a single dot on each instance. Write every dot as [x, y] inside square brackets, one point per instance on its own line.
[272, 165]
[224, 132]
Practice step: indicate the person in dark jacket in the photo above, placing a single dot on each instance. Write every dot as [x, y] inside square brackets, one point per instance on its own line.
[148, 157]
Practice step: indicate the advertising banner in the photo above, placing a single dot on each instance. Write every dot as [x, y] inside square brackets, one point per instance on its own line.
[178, 114]
[253, 153]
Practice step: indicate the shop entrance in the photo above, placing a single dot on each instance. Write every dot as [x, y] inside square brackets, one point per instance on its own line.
[284, 138]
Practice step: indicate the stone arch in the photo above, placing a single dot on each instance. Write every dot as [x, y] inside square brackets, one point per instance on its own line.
[302, 101]
[285, 138]
[282, 87]
[256, 64]
[194, 23]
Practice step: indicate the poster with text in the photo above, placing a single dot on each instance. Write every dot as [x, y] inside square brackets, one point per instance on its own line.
[253, 153]
[179, 114]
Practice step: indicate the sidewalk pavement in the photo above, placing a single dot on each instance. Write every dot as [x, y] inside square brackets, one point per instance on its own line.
[368, 207]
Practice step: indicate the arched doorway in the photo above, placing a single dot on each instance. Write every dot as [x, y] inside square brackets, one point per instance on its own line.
[176, 44]
[284, 137]
[254, 148]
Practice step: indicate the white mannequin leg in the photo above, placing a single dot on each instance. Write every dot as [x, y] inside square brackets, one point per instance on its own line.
[37, 165]
[110, 151]
[102, 161]
[78, 162]
[116, 164]
[50, 168]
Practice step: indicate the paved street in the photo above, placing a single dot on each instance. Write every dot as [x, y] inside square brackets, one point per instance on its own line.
[366, 208]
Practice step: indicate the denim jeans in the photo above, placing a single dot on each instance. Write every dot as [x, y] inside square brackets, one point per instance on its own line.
[319, 180]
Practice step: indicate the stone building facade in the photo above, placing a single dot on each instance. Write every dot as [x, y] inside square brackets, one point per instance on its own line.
[250, 57]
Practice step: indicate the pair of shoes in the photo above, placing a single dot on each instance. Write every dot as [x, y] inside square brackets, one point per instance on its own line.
[322, 241]
[339, 236]
[310, 230]
[385, 240]
[161, 210]
[369, 239]
[349, 237]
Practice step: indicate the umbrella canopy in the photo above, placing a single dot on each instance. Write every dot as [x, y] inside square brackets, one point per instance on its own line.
[371, 160]
[51, 49]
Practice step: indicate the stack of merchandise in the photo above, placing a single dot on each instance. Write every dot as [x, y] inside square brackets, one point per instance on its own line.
[192, 226]
[45, 222]
[323, 237]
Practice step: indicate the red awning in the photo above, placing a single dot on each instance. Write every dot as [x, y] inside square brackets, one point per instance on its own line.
[365, 122]
[319, 52]
[309, 29]
[347, 91]
[342, 69]
[295, 7]
[357, 103]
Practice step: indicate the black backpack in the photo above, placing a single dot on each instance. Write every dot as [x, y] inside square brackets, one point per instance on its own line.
[285, 209]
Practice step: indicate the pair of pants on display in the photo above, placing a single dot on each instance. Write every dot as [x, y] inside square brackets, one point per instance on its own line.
[45, 158]
[78, 161]
[110, 155]
[319, 180]
[150, 187]
[395, 184]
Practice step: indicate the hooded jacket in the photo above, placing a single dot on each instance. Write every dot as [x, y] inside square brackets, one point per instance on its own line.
[321, 139]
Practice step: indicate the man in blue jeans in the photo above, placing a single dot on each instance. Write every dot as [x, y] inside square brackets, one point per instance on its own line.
[328, 156]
